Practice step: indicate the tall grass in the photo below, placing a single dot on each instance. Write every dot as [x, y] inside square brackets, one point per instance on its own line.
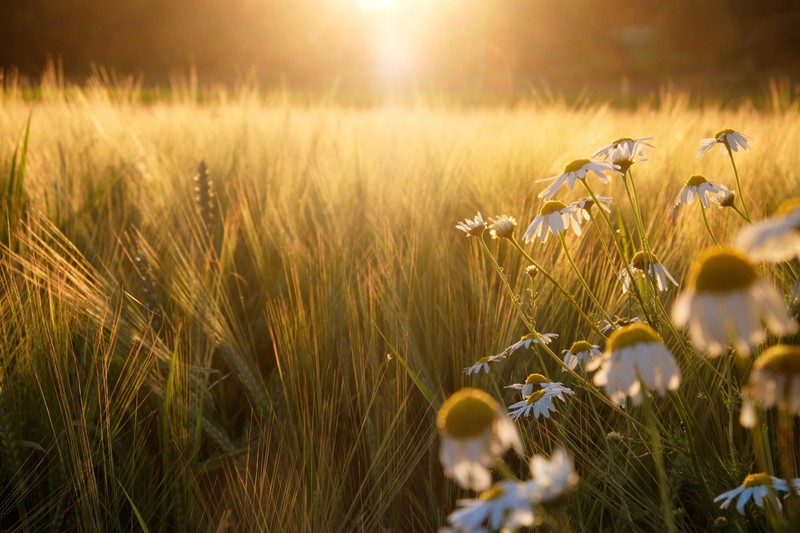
[265, 347]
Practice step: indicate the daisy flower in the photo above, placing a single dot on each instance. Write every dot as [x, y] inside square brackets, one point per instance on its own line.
[607, 327]
[581, 208]
[576, 170]
[635, 357]
[553, 478]
[474, 227]
[539, 403]
[727, 139]
[504, 505]
[775, 379]
[724, 198]
[533, 380]
[775, 239]
[554, 217]
[757, 487]
[725, 296]
[474, 431]
[624, 152]
[502, 227]
[483, 364]
[527, 340]
[642, 262]
[580, 352]
[697, 185]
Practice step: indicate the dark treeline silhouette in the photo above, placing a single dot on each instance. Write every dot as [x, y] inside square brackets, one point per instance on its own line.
[493, 46]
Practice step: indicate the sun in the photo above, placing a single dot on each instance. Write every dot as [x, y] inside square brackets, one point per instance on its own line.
[375, 5]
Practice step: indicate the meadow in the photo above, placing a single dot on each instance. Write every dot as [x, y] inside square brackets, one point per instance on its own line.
[262, 342]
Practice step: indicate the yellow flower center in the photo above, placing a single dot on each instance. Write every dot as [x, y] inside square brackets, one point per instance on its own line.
[695, 180]
[535, 396]
[757, 480]
[631, 335]
[781, 359]
[576, 165]
[638, 260]
[580, 346]
[535, 379]
[551, 206]
[722, 270]
[622, 140]
[720, 133]
[787, 206]
[484, 360]
[492, 493]
[466, 414]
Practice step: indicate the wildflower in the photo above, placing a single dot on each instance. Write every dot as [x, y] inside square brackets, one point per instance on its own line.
[757, 487]
[607, 327]
[724, 198]
[727, 140]
[502, 227]
[696, 185]
[474, 227]
[624, 152]
[554, 217]
[475, 431]
[580, 352]
[530, 338]
[504, 505]
[635, 357]
[775, 239]
[725, 292]
[576, 170]
[581, 208]
[531, 271]
[775, 379]
[539, 403]
[552, 479]
[533, 380]
[483, 364]
[642, 261]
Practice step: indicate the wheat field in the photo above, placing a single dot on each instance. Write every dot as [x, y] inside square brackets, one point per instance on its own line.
[262, 342]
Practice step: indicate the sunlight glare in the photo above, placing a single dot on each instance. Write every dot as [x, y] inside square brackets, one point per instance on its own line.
[375, 5]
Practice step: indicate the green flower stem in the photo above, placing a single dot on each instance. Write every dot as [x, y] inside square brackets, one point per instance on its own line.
[507, 285]
[620, 250]
[658, 458]
[582, 380]
[557, 285]
[606, 251]
[582, 279]
[738, 184]
[504, 470]
[705, 221]
[637, 213]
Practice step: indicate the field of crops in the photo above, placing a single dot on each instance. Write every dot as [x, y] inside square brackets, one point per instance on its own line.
[244, 312]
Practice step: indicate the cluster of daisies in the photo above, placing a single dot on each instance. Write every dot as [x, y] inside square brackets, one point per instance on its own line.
[725, 306]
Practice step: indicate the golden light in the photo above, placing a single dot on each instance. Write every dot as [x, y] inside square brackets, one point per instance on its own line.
[375, 5]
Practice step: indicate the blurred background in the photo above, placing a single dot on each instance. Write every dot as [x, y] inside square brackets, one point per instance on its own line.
[483, 48]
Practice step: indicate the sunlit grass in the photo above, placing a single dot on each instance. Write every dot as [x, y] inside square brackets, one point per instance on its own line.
[278, 365]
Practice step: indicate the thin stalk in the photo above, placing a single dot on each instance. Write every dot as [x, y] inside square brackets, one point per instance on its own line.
[705, 221]
[655, 440]
[556, 284]
[617, 243]
[582, 279]
[738, 184]
[582, 380]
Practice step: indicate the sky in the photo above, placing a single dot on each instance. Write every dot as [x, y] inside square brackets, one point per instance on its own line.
[489, 47]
